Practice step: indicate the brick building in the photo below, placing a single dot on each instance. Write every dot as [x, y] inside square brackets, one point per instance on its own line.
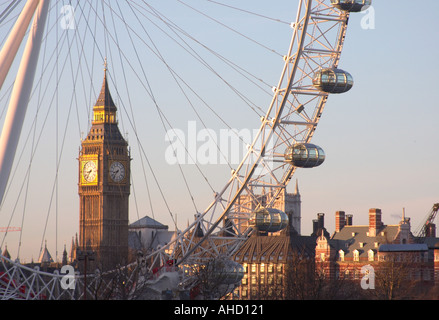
[351, 247]
[266, 258]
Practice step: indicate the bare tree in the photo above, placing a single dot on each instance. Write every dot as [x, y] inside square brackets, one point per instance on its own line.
[392, 277]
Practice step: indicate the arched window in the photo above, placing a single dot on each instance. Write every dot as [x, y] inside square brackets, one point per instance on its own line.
[341, 255]
[371, 255]
[356, 255]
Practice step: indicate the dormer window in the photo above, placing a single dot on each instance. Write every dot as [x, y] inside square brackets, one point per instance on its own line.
[371, 255]
[341, 255]
[356, 255]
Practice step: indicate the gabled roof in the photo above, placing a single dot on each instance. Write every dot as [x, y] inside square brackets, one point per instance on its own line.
[6, 253]
[147, 222]
[45, 256]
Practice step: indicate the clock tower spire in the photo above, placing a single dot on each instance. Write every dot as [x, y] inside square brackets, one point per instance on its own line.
[104, 186]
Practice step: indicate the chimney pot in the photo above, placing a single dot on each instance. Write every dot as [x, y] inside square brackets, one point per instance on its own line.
[340, 220]
[374, 221]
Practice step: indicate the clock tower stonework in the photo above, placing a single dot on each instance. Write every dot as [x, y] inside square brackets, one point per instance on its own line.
[104, 188]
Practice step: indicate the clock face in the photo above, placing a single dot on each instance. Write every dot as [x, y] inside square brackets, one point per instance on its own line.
[90, 171]
[117, 171]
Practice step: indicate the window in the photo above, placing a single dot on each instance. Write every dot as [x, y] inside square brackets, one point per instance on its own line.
[356, 255]
[270, 268]
[371, 255]
[341, 255]
[279, 268]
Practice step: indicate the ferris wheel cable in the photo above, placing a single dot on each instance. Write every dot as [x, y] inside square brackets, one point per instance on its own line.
[81, 47]
[249, 12]
[173, 73]
[131, 123]
[9, 9]
[231, 29]
[176, 29]
[58, 158]
[135, 129]
[200, 61]
[181, 171]
[188, 100]
[53, 97]
[43, 59]
[5, 99]
[8, 31]
[34, 123]
[197, 57]
[206, 104]
[252, 168]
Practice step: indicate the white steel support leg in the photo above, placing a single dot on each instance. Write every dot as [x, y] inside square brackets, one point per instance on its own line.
[11, 46]
[20, 95]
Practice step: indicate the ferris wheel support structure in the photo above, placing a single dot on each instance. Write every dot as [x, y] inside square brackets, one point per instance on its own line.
[23, 83]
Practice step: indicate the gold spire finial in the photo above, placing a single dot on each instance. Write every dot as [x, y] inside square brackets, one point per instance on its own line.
[105, 64]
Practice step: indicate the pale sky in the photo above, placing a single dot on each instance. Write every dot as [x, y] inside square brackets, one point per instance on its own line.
[380, 138]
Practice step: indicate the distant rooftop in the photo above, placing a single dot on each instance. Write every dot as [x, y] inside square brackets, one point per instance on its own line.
[403, 247]
[147, 222]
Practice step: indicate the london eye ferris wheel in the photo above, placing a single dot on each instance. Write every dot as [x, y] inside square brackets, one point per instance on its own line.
[58, 68]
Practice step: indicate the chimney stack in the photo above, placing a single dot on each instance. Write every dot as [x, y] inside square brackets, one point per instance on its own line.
[321, 220]
[374, 222]
[315, 226]
[349, 219]
[340, 220]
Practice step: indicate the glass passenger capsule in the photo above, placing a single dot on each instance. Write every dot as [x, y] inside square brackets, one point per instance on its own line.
[333, 80]
[351, 5]
[305, 155]
[226, 271]
[269, 220]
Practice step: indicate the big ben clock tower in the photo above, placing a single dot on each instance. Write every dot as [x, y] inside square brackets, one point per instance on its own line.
[104, 187]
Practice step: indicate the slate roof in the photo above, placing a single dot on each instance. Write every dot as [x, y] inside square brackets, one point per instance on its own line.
[403, 247]
[274, 249]
[105, 100]
[45, 256]
[352, 238]
[147, 222]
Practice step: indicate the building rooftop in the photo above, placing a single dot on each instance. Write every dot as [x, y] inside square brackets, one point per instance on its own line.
[403, 247]
[274, 249]
[147, 222]
[352, 238]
